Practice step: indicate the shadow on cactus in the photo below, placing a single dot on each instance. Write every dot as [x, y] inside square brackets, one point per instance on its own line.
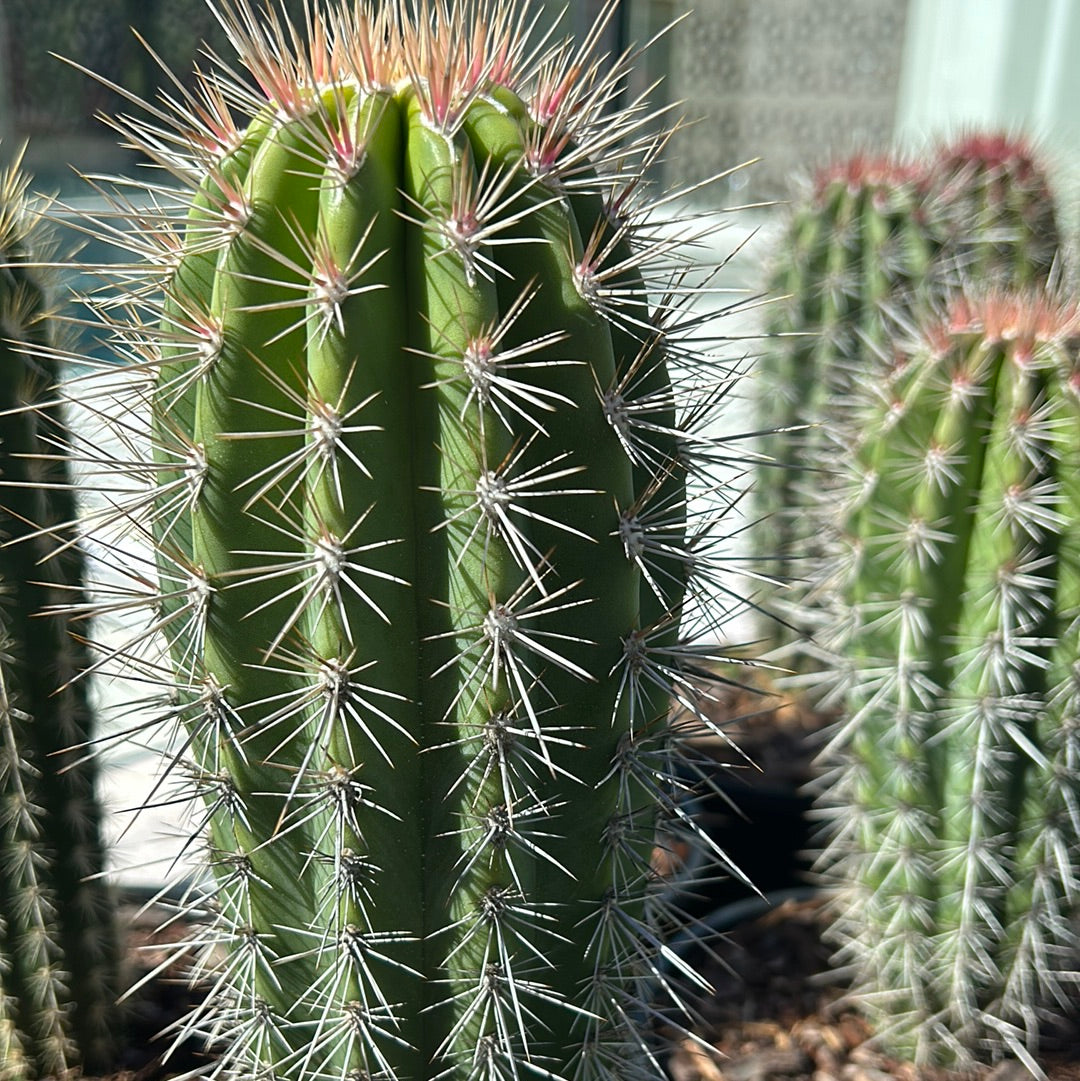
[58, 949]
[416, 456]
[954, 832]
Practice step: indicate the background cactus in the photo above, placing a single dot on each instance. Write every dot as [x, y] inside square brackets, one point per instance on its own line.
[879, 241]
[954, 833]
[853, 255]
[997, 212]
[417, 487]
[57, 941]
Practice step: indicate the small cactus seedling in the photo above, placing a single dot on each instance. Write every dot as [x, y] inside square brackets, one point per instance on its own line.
[417, 488]
[57, 940]
[955, 834]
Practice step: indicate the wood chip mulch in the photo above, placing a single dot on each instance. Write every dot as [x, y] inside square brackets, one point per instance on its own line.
[777, 1016]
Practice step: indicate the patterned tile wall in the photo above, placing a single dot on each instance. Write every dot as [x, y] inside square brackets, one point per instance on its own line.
[789, 81]
[49, 97]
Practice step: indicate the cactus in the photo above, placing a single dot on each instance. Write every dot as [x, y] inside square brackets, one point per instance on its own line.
[417, 488]
[852, 255]
[952, 797]
[998, 218]
[57, 939]
[879, 240]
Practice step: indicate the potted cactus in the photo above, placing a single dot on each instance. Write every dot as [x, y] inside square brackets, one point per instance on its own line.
[856, 252]
[945, 939]
[952, 805]
[905, 237]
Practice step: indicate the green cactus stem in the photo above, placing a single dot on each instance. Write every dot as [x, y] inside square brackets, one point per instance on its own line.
[879, 242]
[954, 835]
[417, 489]
[854, 254]
[58, 981]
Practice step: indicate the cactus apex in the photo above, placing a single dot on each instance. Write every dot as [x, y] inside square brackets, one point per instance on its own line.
[868, 170]
[998, 153]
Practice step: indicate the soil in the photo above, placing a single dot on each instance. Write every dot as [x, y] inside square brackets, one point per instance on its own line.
[777, 1016]
[777, 1013]
[157, 968]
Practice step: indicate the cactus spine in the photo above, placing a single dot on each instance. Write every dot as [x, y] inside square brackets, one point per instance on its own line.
[418, 499]
[955, 839]
[57, 941]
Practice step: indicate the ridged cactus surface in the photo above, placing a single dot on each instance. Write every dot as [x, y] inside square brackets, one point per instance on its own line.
[852, 256]
[998, 218]
[417, 489]
[955, 835]
[878, 243]
[57, 940]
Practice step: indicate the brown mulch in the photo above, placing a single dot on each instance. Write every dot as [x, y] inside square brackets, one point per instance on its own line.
[159, 1002]
[776, 734]
[777, 1014]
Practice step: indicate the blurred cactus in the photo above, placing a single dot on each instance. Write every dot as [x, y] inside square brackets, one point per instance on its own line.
[853, 254]
[417, 486]
[878, 241]
[955, 777]
[57, 941]
[996, 211]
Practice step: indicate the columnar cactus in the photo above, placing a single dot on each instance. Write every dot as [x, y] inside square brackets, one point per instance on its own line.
[853, 256]
[417, 494]
[879, 240]
[955, 834]
[57, 940]
[997, 212]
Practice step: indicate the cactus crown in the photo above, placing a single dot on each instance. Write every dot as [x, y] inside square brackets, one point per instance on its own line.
[997, 218]
[867, 171]
[420, 450]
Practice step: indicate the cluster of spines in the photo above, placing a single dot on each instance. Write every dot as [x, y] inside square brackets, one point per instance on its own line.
[418, 495]
[57, 940]
[952, 797]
